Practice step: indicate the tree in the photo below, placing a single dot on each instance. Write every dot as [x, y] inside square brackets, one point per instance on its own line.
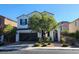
[7, 29]
[42, 22]
[9, 33]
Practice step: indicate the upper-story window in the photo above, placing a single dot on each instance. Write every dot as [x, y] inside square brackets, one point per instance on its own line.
[23, 21]
[76, 23]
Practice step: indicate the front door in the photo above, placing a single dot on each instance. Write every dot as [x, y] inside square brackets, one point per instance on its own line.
[55, 36]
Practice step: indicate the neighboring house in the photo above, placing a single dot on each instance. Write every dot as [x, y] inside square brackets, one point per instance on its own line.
[5, 21]
[74, 26]
[64, 26]
[24, 33]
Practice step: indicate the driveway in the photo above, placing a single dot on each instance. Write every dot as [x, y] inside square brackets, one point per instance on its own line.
[17, 46]
[26, 46]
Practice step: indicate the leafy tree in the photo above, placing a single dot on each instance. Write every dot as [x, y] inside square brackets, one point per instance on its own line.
[42, 22]
[9, 33]
[7, 29]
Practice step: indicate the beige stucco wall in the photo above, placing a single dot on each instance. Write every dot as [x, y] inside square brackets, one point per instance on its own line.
[6, 22]
[73, 28]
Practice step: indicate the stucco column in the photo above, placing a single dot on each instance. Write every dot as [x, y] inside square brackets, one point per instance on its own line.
[58, 34]
[51, 35]
[17, 37]
[39, 34]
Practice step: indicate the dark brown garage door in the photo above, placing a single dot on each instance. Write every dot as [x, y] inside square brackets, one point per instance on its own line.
[28, 36]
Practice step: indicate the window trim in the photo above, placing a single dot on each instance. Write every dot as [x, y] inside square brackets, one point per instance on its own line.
[23, 21]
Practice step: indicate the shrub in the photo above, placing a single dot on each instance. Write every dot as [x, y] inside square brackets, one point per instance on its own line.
[62, 40]
[65, 45]
[43, 41]
[37, 45]
[70, 41]
[49, 43]
[10, 37]
[72, 34]
[44, 44]
[77, 35]
[40, 40]
[47, 40]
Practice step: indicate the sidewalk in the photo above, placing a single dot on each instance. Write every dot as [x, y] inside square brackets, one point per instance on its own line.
[30, 47]
[15, 46]
[48, 48]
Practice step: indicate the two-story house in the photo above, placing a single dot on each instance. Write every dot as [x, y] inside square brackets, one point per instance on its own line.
[5, 21]
[24, 33]
[74, 26]
[64, 26]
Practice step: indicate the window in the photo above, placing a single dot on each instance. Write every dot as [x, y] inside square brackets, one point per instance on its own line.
[23, 21]
[20, 21]
[76, 23]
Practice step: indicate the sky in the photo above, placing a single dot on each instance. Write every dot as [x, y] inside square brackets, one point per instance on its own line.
[62, 12]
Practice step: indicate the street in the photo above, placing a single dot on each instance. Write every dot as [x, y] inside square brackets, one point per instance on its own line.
[43, 51]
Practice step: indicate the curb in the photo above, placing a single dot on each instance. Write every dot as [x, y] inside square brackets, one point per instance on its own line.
[38, 48]
[50, 48]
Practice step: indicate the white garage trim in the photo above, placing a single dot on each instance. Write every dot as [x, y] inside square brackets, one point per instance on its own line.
[58, 34]
[17, 37]
[2, 38]
[39, 34]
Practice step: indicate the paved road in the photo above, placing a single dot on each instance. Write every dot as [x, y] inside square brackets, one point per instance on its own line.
[43, 51]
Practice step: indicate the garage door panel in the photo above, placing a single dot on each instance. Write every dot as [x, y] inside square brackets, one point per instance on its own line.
[28, 36]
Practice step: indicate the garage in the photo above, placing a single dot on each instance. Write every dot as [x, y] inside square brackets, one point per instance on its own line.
[28, 36]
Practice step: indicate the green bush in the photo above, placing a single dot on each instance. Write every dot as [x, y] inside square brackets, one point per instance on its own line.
[7, 29]
[65, 45]
[47, 40]
[77, 35]
[43, 41]
[44, 44]
[62, 40]
[37, 44]
[40, 40]
[49, 43]
[71, 38]
[65, 31]
[70, 41]
[72, 34]
[10, 37]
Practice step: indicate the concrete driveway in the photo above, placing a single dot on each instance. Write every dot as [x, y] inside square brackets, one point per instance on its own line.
[16, 46]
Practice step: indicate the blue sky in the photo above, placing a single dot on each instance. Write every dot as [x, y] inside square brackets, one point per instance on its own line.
[63, 12]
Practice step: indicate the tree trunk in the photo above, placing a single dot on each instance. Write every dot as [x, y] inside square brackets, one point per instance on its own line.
[44, 34]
